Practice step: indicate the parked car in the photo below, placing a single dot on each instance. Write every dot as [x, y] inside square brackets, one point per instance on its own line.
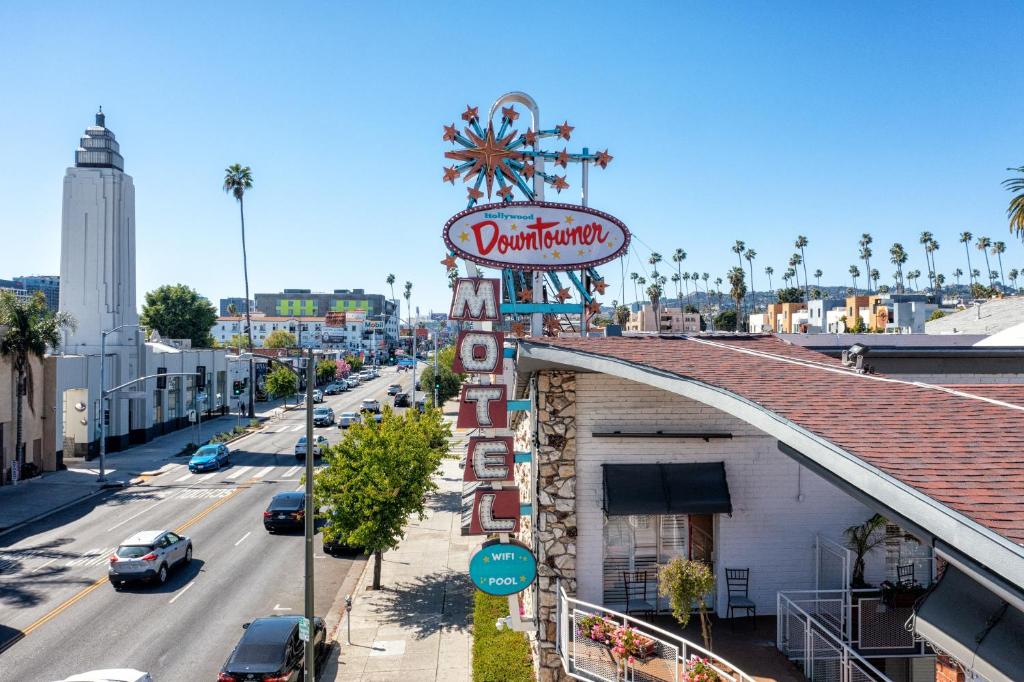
[394, 389]
[336, 387]
[111, 675]
[318, 447]
[286, 511]
[370, 405]
[353, 381]
[210, 458]
[402, 400]
[148, 556]
[270, 650]
[366, 375]
[334, 547]
[318, 395]
[323, 416]
[347, 419]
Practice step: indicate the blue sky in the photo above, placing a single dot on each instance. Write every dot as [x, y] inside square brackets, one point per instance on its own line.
[756, 121]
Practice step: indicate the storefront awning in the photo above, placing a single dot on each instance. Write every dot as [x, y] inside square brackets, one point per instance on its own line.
[666, 489]
[975, 626]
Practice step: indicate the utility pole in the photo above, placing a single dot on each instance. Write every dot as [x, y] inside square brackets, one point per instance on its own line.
[310, 651]
[104, 410]
[437, 333]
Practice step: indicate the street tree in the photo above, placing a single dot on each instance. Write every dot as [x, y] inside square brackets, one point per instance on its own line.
[27, 330]
[449, 383]
[178, 311]
[898, 257]
[750, 255]
[790, 295]
[378, 476]
[326, 370]
[281, 382]
[678, 256]
[280, 338]
[236, 341]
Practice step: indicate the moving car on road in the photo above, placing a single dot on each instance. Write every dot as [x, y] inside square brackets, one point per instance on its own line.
[318, 395]
[323, 416]
[394, 389]
[370, 405]
[210, 458]
[148, 556]
[319, 444]
[402, 400]
[347, 419]
[270, 649]
[336, 387]
[286, 511]
[111, 675]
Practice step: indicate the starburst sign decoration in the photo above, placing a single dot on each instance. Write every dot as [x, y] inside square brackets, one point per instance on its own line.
[506, 158]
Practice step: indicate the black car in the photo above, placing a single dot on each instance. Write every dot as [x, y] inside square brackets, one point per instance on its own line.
[287, 511]
[270, 649]
[402, 400]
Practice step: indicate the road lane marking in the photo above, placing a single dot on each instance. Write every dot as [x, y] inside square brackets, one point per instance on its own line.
[278, 607]
[291, 472]
[238, 473]
[206, 477]
[243, 538]
[43, 565]
[185, 477]
[300, 488]
[263, 472]
[201, 515]
[298, 427]
[183, 591]
[138, 514]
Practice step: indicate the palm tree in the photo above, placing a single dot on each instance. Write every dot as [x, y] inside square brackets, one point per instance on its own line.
[817, 276]
[676, 279]
[678, 256]
[634, 276]
[788, 276]
[238, 181]
[801, 243]
[795, 260]
[769, 270]
[958, 273]
[998, 249]
[232, 309]
[706, 277]
[1013, 277]
[854, 273]
[686, 283]
[983, 245]
[865, 255]
[1015, 212]
[976, 274]
[737, 292]
[30, 328]
[930, 249]
[965, 239]
[391, 283]
[940, 280]
[654, 294]
[925, 241]
[750, 255]
[898, 256]
[875, 276]
[913, 276]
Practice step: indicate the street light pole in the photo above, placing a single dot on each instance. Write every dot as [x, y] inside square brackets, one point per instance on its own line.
[103, 399]
[310, 520]
[437, 333]
[414, 359]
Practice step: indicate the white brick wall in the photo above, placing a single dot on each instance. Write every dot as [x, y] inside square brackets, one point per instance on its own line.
[770, 531]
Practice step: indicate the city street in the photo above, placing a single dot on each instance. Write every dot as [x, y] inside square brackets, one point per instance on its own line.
[59, 615]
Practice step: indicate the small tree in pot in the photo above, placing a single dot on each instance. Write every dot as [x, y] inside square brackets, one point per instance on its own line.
[862, 539]
[686, 582]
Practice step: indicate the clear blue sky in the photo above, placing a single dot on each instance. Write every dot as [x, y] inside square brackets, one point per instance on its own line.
[756, 121]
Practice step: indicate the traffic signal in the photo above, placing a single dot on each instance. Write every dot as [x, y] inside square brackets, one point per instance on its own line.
[200, 377]
[161, 381]
[236, 388]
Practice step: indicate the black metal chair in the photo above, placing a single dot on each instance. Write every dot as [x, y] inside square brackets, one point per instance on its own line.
[737, 581]
[636, 593]
[905, 575]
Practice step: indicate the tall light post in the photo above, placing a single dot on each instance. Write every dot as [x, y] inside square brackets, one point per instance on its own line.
[437, 333]
[414, 359]
[310, 457]
[103, 398]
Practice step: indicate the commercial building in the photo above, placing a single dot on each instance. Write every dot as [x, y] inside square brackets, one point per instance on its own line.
[306, 303]
[25, 286]
[669, 320]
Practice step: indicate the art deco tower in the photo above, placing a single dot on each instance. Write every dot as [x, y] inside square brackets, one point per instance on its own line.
[97, 263]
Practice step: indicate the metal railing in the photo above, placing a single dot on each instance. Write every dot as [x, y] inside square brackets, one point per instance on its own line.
[817, 649]
[665, 660]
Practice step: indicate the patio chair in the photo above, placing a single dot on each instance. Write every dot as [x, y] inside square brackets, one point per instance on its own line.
[737, 581]
[905, 575]
[636, 593]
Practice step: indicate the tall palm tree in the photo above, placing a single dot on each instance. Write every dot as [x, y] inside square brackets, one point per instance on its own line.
[965, 239]
[686, 283]
[678, 256]
[29, 329]
[238, 181]
[407, 295]
[1015, 211]
[750, 255]
[940, 281]
[706, 277]
[677, 280]
[958, 273]
[925, 241]
[998, 249]
[788, 276]
[976, 274]
[817, 277]
[1014, 273]
[854, 273]
[634, 276]
[801, 243]
[913, 276]
[391, 283]
[898, 256]
[738, 290]
[875, 276]
[795, 260]
[695, 277]
[865, 255]
[769, 270]
[983, 245]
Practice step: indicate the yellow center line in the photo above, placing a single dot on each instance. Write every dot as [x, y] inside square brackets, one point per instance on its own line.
[75, 598]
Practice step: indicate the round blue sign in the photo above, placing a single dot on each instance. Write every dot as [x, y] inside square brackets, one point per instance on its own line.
[502, 569]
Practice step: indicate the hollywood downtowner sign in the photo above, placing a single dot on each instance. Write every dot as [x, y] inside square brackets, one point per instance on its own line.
[502, 568]
[536, 235]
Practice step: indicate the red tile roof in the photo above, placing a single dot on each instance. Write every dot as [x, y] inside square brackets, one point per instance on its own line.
[973, 465]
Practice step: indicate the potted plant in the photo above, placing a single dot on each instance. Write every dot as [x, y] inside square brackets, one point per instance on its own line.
[861, 539]
[901, 596]
[700, 670]
[686, 582]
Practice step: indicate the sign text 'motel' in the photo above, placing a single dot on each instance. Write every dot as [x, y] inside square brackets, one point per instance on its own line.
[536, 235]
[479, 352]
[503, 568]
[483, 406]
[476, 300]
[495, 511]
[489, 460]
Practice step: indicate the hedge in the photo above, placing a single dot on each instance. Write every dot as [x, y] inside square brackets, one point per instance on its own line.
[498, 655]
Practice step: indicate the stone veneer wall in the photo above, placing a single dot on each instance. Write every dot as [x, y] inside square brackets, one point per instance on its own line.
[555, 508]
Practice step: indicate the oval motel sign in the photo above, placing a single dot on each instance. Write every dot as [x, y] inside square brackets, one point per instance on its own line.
[536, 235]
[502, 568]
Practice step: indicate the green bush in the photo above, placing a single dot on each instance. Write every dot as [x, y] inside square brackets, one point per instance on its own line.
[498, 655]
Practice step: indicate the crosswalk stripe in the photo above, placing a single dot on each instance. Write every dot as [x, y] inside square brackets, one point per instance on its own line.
[299, 427]
[238, 473]
[291, 472]
[185, 477]
[206, 477]
[262, 472]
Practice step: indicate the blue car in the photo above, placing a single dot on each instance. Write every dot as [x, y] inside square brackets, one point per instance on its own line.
[210, 458]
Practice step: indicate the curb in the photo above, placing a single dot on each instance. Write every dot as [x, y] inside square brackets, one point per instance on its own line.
[348, 587]
[51, 512]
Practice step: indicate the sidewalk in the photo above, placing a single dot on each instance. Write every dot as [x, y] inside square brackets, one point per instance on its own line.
[38, 497]
[417, 628]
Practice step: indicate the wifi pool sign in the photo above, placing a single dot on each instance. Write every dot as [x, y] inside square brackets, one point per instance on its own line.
[503, 568]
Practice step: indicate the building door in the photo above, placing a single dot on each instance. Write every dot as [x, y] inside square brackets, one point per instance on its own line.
[641, 543]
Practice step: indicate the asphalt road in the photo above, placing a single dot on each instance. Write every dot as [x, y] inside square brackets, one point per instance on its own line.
[60, 616]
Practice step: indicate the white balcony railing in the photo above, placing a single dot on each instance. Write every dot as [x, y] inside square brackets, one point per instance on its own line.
[666, 659]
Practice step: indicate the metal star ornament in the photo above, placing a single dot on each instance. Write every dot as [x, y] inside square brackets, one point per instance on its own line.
[530, 137]
[594, 307]
[525, 296]
[528, 170]
[450, 175]
[510, 113]
[450, 133]
[559, 183]
[473, 193]
[470, 113]
[552, 327]
[563, 295]
[518, 329]
[505, 192]
[599, 286]
[449, 262]
[603, 159]
[565, 130]
[562, 159]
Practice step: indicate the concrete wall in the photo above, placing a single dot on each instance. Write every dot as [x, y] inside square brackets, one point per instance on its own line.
[37, 413]
[778, 507]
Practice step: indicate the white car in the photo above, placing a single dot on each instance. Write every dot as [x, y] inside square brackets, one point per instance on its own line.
[369, 405]
[148, 556]
[353, 381]
[318, 447]
[111, 675]
[347, 419]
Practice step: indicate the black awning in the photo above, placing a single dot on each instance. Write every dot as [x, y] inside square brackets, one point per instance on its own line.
[973, 625]
[666, 489]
